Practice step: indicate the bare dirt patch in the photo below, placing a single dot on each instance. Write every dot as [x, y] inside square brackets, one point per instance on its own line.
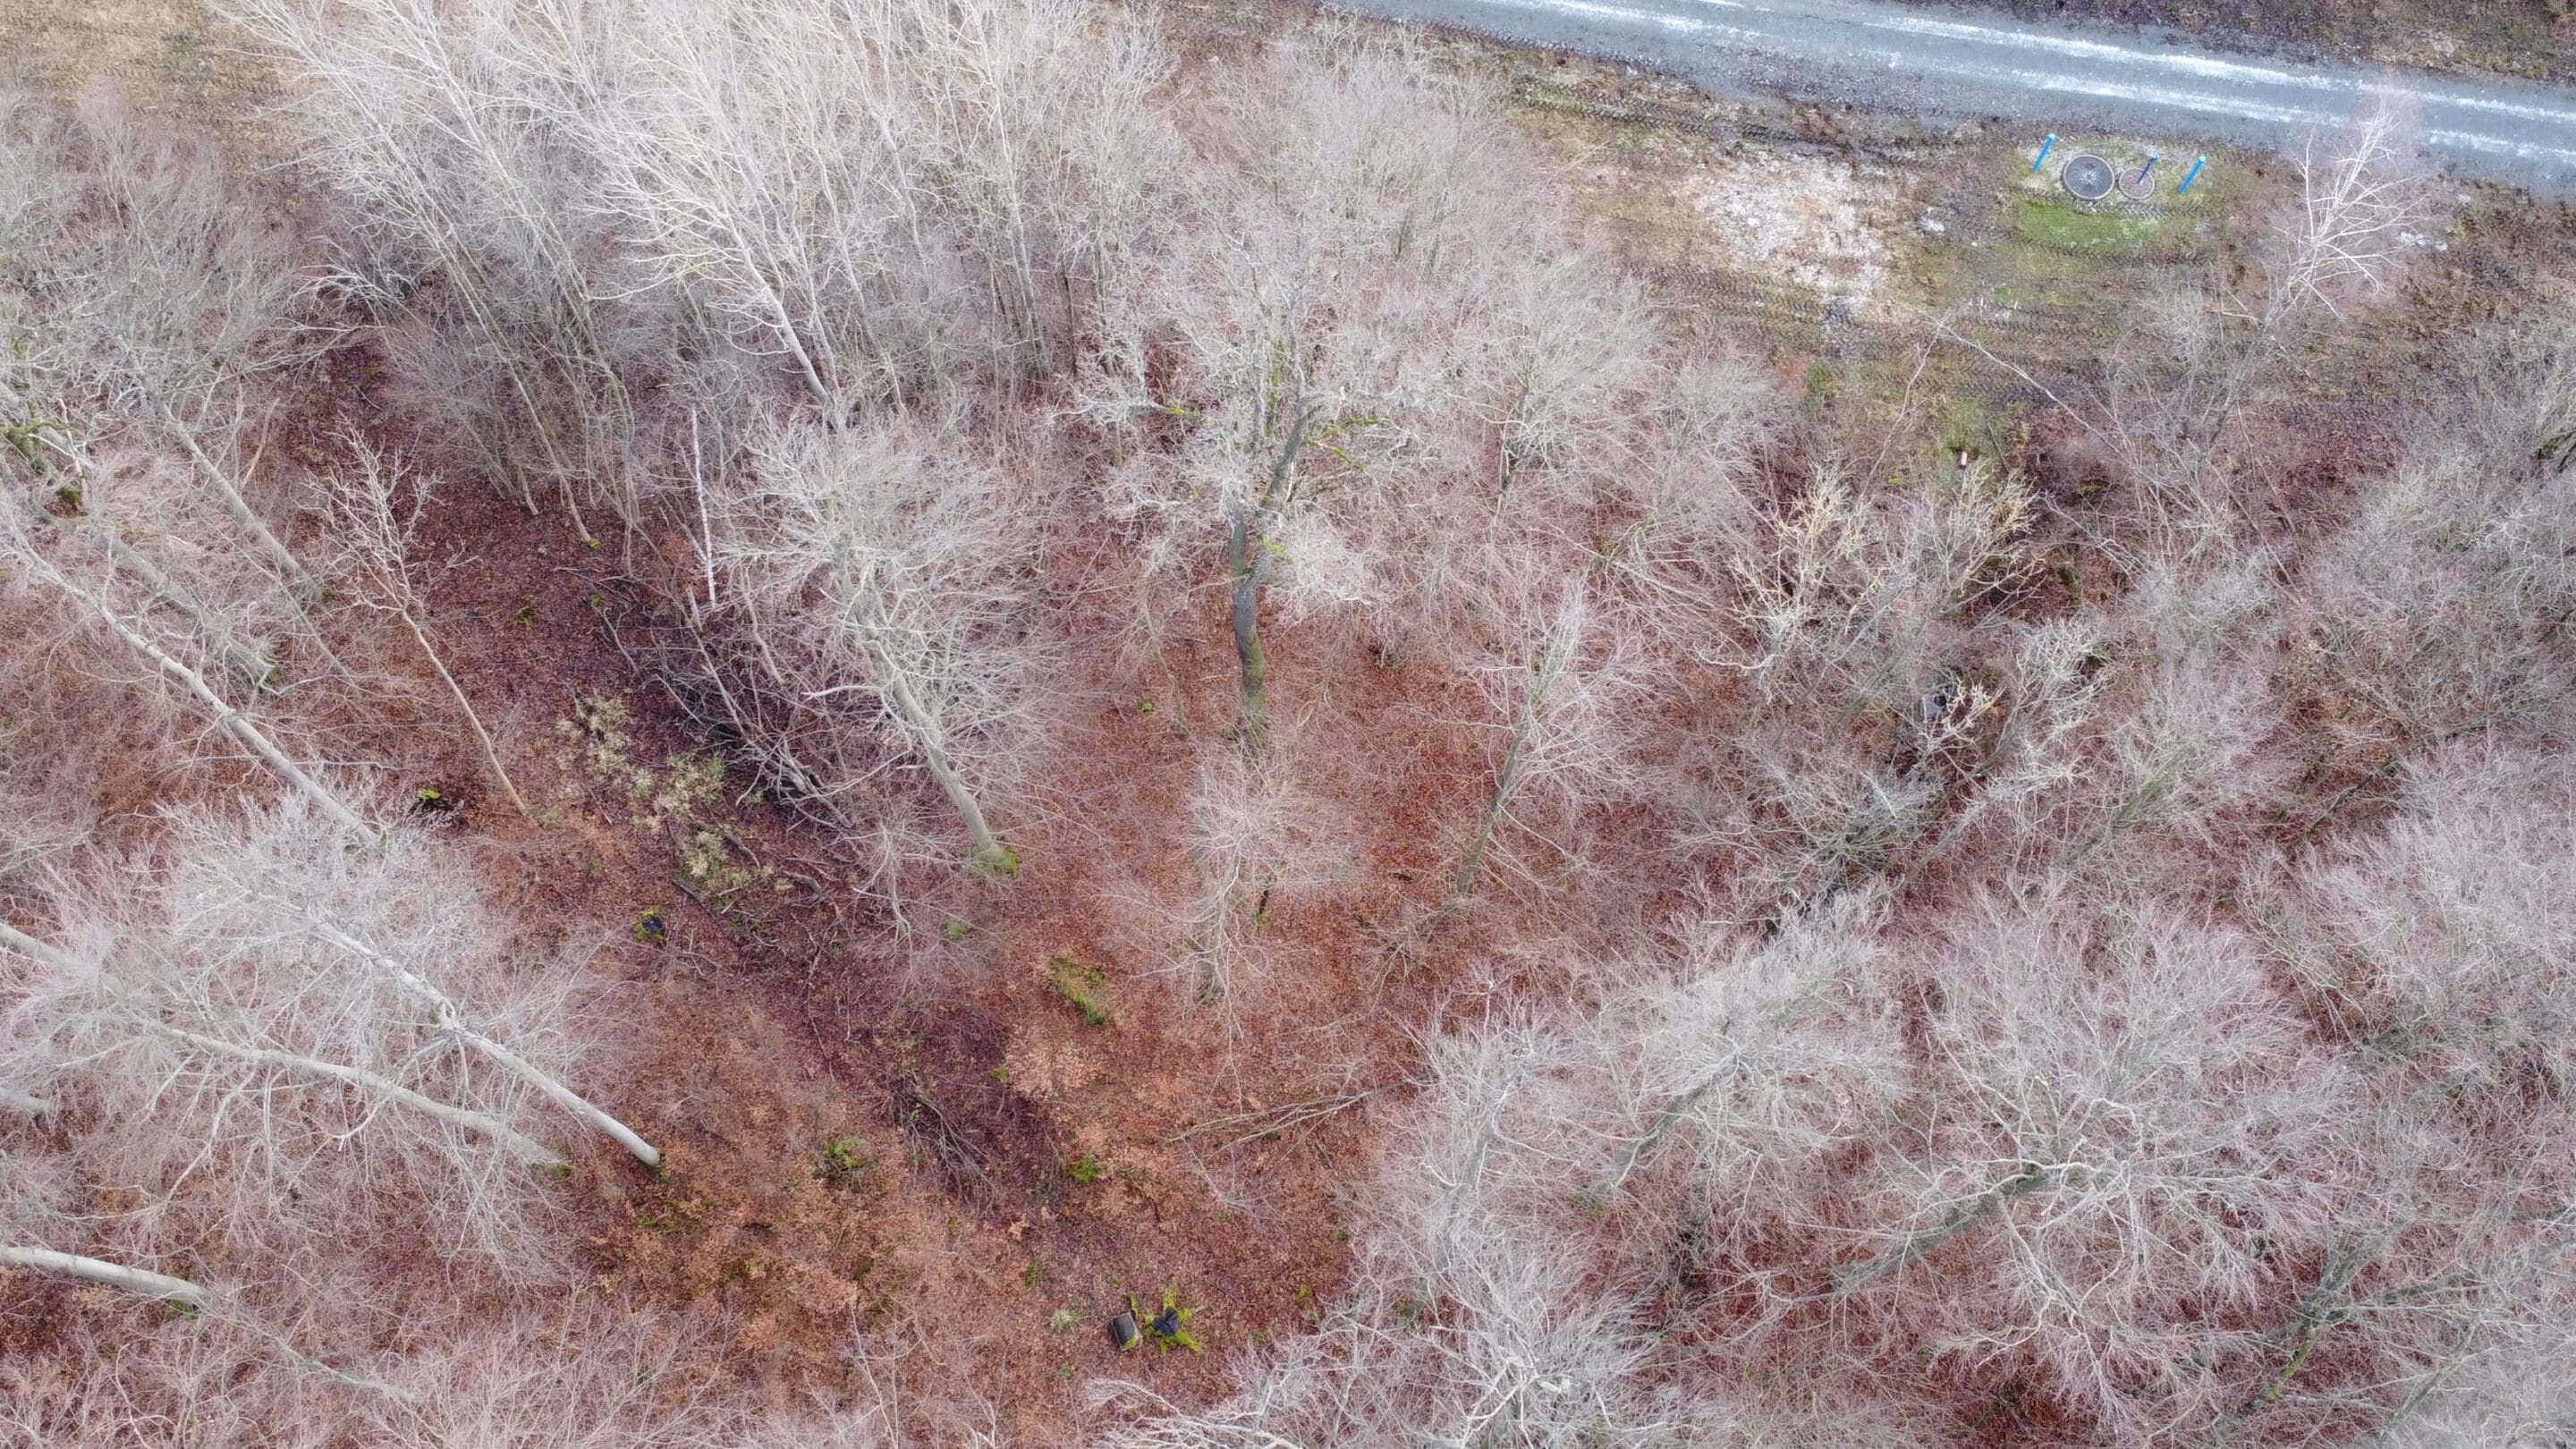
[1818, 222]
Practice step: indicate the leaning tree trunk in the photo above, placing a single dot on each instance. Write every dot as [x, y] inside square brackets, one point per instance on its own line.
[482, 1124]
[233, 722]
[1545, 671]
[255, 671]
[141, 1011]
[990, 853]
[444, 1010]
[482, 736]
[25, 1105]
[929, 739]
[2029, 1177]
[307, 591]
[1507, 783]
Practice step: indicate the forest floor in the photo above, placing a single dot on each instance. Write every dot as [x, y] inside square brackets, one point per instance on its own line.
[980, 1132]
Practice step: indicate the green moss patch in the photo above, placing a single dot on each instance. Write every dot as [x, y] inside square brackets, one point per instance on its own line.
[2069, 229]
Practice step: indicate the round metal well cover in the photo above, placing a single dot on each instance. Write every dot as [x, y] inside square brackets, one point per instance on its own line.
[2087, 176]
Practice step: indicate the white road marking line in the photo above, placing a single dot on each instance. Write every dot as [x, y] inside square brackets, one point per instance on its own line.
[1678, 24]
[2497, 145]
[2096, 50]
[2508, 108]
[1819, 47]
[1681, 24]
[2032, 79]
[2200, 101]
[2212, 68]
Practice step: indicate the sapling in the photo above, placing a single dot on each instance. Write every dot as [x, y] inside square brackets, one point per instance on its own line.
[1567, 673]
[2364, 193]
[377, 523]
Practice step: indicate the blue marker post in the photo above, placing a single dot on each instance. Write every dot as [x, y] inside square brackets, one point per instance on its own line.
[2043, 151]
[2197, 163]
[2147, 170]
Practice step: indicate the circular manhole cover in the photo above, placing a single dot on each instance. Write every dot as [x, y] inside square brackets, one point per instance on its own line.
[2088, 177]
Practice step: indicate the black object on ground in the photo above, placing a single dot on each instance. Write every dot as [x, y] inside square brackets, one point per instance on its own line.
[1124, 1333]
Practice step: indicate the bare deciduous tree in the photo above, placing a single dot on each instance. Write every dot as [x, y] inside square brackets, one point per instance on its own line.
[1327, 351]
[445, 124]
[1901, 1003]
[2115, 1161]
[1567, 676]
[2440, 939]
[174, 299]
[218, 1086]
[882, 578]
[847, 186]
[2364, 191]
[268, 876]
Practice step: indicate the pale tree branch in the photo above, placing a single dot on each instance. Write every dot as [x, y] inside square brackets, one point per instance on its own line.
[111, 1275]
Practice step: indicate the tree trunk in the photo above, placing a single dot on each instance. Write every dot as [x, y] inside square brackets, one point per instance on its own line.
[1247, 528]
[307, 592]
[1667, 1117]
[482, 736]
[26, 1106]
[2029, 1177]
[254, 670]
[138, 1009]
[450, 1019]
[990, 854]
[1243, 567]
[33, 949]
[112, 1275]
[233, 722]
[480, 1123]
[1546, 670]
[1507, 783]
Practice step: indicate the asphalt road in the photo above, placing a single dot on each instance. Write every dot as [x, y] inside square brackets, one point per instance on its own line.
[2054, 77]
